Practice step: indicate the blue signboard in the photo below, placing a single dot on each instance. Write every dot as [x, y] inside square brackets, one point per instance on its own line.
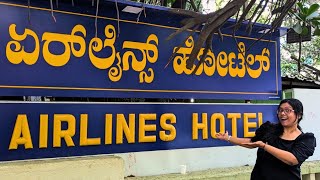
[46, 130]
[69, 52]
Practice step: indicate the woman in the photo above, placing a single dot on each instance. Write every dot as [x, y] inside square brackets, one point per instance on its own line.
[283, 147]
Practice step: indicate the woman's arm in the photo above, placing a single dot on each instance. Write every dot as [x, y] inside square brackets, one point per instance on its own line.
[284, 156]
[234, 140]
[280, 154]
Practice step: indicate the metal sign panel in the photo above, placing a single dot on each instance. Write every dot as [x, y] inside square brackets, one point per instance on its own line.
[47, 130]
[69, 53]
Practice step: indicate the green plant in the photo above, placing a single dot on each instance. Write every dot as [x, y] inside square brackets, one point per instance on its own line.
[306, 16]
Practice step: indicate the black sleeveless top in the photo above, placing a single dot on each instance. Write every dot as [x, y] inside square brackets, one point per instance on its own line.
[269, 167]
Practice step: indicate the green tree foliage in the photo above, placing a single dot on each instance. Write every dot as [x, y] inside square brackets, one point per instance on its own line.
[302, 18]
[306, 15]
[310, 55]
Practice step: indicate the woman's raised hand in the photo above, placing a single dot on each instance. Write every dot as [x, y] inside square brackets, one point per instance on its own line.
[256, 144]
[223, 136]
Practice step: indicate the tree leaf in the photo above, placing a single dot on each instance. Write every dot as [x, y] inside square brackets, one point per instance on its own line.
[305, 30]
[300, 5]
[297, 28]
[316, 18]
[303, 17]
[302, 8]
[313, 15]
[313, 8]
[298, 16]
[316, 32]
[315, 23]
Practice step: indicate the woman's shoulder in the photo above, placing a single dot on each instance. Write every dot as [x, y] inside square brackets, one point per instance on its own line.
[306, 139]
[304, 146]
[306, 136]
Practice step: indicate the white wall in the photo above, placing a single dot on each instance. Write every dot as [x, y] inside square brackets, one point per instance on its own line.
[310, 99]
[169, 161]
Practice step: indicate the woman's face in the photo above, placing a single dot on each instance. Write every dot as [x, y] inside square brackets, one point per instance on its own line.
[286, 115]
